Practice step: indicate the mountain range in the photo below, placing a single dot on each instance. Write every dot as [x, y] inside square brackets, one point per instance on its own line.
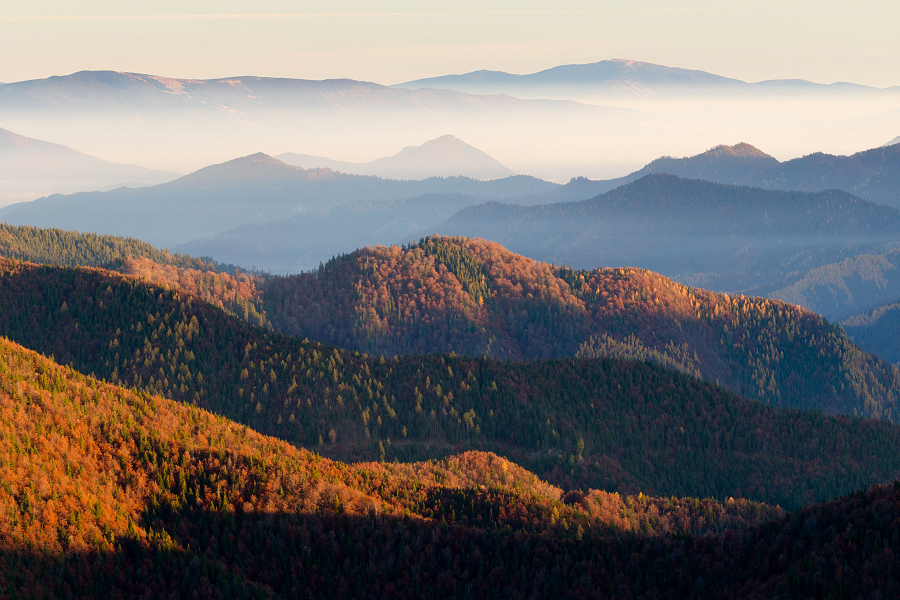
[252, 189]
[724, 237]
[113, 91]
[445, 156]
[298, 243]
[157, 120]
[619, 77]
[31, 168]
[260, 211]
[871, 174]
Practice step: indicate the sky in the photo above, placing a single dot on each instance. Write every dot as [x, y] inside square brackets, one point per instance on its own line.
[395, 41]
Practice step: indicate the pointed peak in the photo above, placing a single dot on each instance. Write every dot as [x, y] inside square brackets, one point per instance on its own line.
[742, 150]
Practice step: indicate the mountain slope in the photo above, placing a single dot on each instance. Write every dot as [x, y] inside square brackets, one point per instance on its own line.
[31, 168]
[877, 330]
[109, 492]
[303, 242]
[718, 236]
[853, 285]
[59, 247]
[251, 189]
[575, 422]
[474, 297]
[445, 156]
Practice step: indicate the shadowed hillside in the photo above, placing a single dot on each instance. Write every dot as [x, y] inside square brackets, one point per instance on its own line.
[576, 422]
[109, 492]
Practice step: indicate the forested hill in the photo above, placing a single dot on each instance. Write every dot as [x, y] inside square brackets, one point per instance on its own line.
[724, 237]
[110, 492]
[74, 249]
[477, 298]
[220, 284]
[609, 424]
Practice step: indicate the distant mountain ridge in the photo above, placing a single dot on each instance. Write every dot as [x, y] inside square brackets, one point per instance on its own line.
[445, 156]
[303, 242]
[30, 168]
[621, 77]
[112, 91]
[870, 174]
[251, 189]
[722, 237]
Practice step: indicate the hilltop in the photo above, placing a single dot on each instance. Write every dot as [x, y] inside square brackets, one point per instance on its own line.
[445, 156]
[475, 297]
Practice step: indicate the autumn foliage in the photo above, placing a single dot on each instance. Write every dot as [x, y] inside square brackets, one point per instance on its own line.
[106, 492]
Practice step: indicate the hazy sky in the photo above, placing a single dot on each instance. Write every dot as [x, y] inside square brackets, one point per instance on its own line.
[395, 41]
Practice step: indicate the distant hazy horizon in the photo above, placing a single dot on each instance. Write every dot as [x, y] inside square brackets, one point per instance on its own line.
[399, 40]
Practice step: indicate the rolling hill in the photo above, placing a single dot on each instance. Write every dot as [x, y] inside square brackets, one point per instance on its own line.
[251, 189]
[445, 156]
[476, 298]
[577, 422]
[107, 492]
[723, 237]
